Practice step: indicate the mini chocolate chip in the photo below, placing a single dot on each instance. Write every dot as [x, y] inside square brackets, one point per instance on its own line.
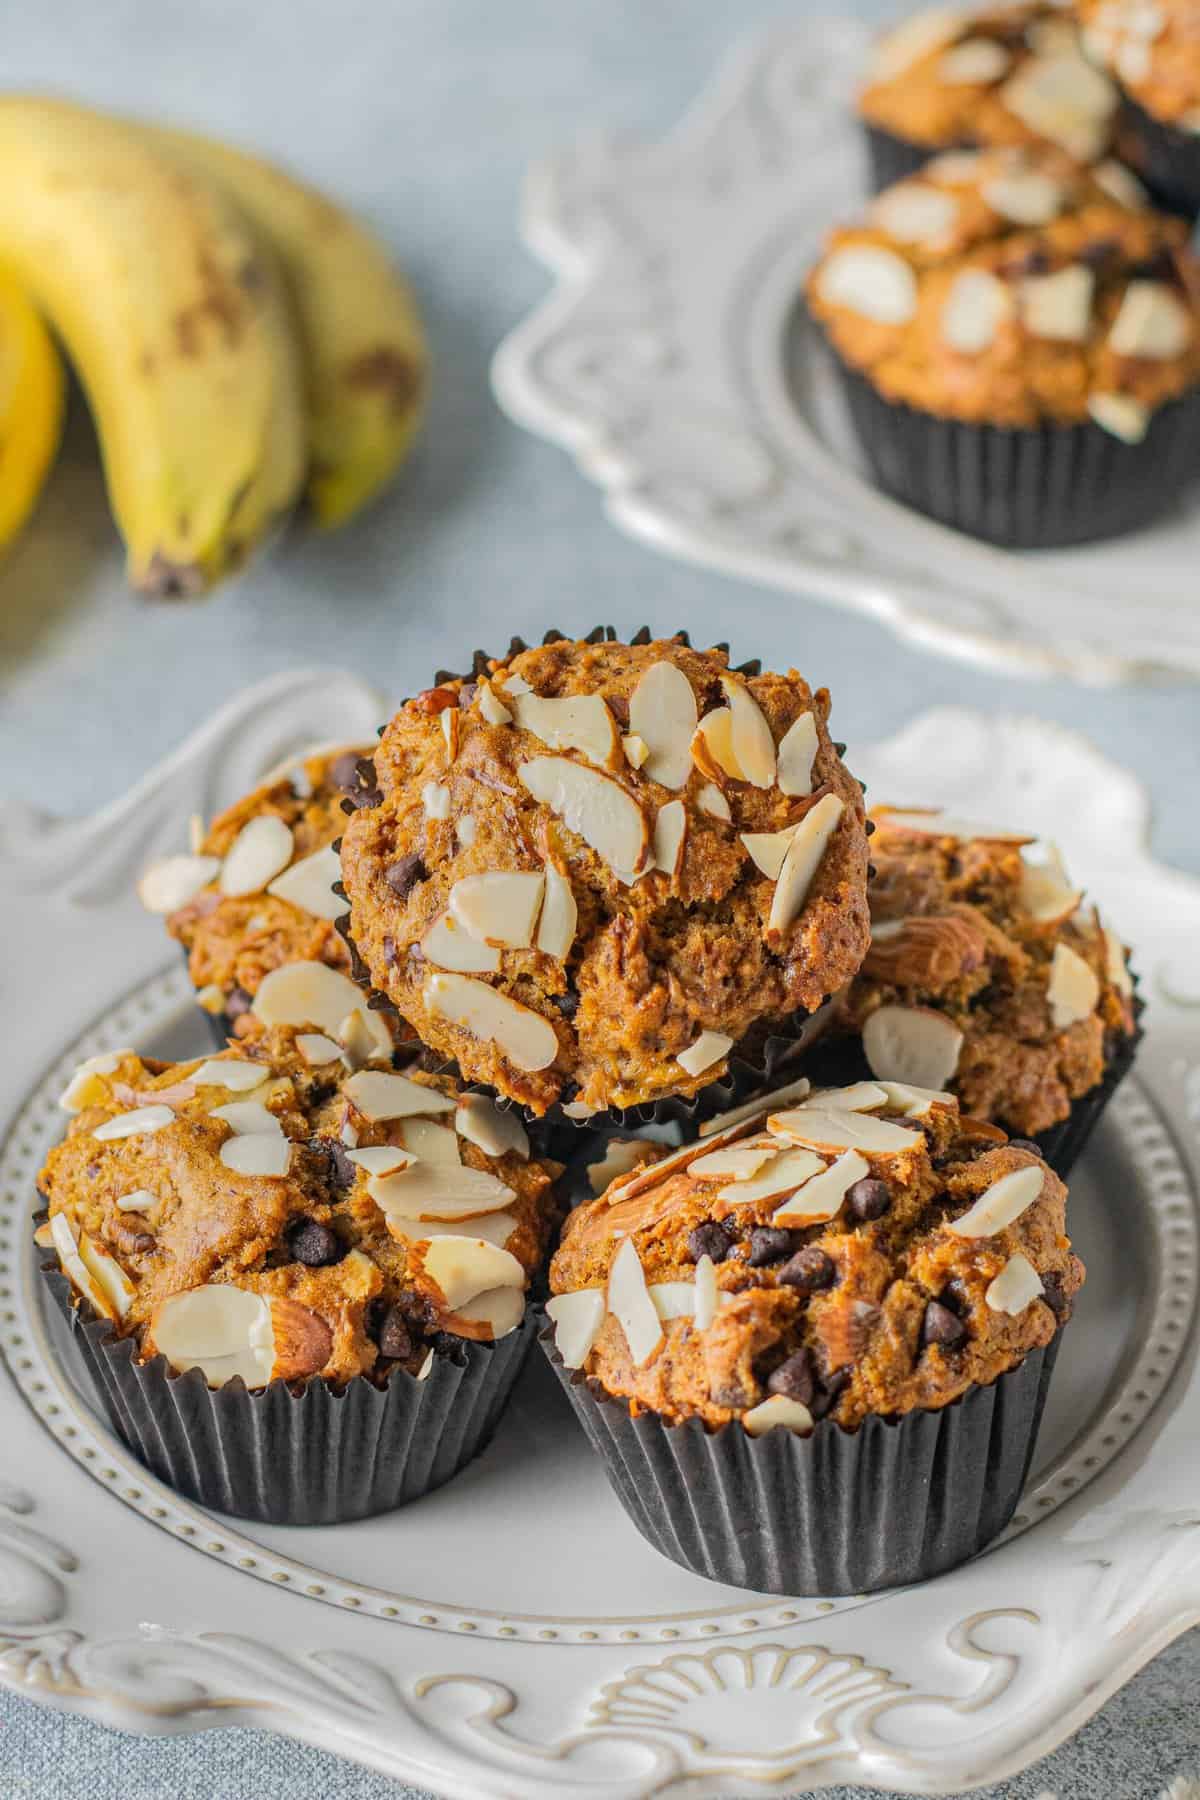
[1026, 1144]
[344, 772]
[940, 1326]
[364, 768]
[339, 1170]
[314, 1244]
[395, 1340]
[809, 1271]
[829, 1393]
[1159, 267]
[237, 1002]
[402, 877]
[709, 1239]
[1054, 1296]
[467, 693]
[769, 1244]
[567, 1004]
[840, 748]
[1097, 253]
[1033, 262]
[796, 1378]
[869, 1198]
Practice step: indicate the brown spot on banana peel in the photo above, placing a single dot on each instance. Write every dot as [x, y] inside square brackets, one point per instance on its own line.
[167, 580]
[390, 372]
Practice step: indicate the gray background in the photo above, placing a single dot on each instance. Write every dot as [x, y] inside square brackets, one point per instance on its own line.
[424, 115]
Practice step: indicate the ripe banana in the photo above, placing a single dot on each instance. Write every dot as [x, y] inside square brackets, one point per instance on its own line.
[177, 320]
[32, 387]
[364, 342]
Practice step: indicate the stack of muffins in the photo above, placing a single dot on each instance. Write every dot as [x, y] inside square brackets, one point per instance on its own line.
[1015, 325]
[584, 888]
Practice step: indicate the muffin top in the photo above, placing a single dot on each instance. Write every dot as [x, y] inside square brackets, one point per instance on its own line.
[588, 873]
[256, 891]
[272, 1213]
[833, 1253]
[1153, 48]
[986, 972]
[999, 75]
[1009, 287]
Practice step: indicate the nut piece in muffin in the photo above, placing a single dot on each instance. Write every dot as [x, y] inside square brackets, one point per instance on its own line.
[1153, 52]
[265, 1213]
[949, 77]
[986, 973]
[256, 891]
[593, 870]
[835, 1254]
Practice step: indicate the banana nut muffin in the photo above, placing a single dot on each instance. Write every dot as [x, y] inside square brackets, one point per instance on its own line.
[268, 1214]
[1152, 49]
[588, 873]
[256, 891]
[838, 1253]
[986, 972]
[951, 77]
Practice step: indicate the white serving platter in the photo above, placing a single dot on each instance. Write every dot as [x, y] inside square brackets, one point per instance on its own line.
[512, 1634]
[670, 361]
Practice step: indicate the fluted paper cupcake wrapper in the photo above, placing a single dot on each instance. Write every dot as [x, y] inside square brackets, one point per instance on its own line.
[751, 1067]
[892, 158]
[1040, 488]
[897, 1501]
[287, 1455]
[1165, 158]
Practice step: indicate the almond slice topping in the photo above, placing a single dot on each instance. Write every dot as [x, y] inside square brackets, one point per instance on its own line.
[560, 916]
[663, 714]
[260, 850]
[84, 1089]
[308, 884]
[494, 1228]
[499, 908]
[708, 1294]
[448, 946]
[463, 1267]
[1115, 964]
[108, 1275]
[435, 800]
[578, 722]
[317, 1049]
[427, 1191]
[66, 1247]
[797, 753]
[712, 801]
[673, 1299]
[1073, 991]
[489, 1316]
[842, 1131]
[737, 1163]
[670, 833]
[621, 1155]
[523, 1036]
[912, 1044]
[496, 1130]
[1001, 1204]
[232, 1073]
[860, 1096]
[131, 1124]
[169, 884]
[577, 1320]
[311, 993]
[451, 719]
[140, 1200]
[1015, 1287]
[768, 849]
[756, 1109]
[431, 1142]
[380, 1159]
[1046, 894]
[378, 1095]
[915, 1102]
[631, 1305]
[753, 745]
[596, 807]
[708, 1049]
[786, 1171]
[778, 1410]
[636, 749]
[223, 1331]
[809, 843]
[493, 710]
[821, 1198]
[712, 746]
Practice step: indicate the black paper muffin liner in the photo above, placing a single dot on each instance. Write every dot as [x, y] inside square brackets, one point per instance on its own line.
[1166, 159]
[1039, 488]
[755, 1062]
[897, 1501]
[298, 1454]
[891, 158]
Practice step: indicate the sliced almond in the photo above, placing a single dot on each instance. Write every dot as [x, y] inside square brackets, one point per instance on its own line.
[670, 832]
[809, 843]
[756, 1109]
[662, 713]
[431, 1142]
[358, 1036]
[915, 1102]
[577, 1320]
[631, 1305]
[85, 1088]
[499, 908]
[712, 746]
[934, 824]
[871, 281]
[379, 1096]
[260, 850]
[489, 1316]
[1001, 1203]
[465, 830]
[1015, 1287]
[708, 1294]
[1116, 965]
[132, 1124]
[822, 1197]
[594, 806]
[915, 38]
[462, 1267]
[1073, 991]
[248, 1118]
[496, 1130]
[447, 946]
[797, 753]
[708, 1049]
[977, 305]
[620, 1156]
[427, 1191]
[108, 1275]
[492, 708]
[210, 998]
[232, 1073]
[786, 1171]
[712, 801]
[637, 750]
[512, 685]
[311, 993]
[778, 1410]
[171, 883]
[303, 1340]
[267, 1154]
[842, 1131]
[915, 212]
[913, 1044]
[380, 1159]
[316, 1049]
[1064, 98]
[673, 1299]
[577, 722]
[860, 1096]
[308, 884]
[435, 800]
[976, 61]
[768, 849]
[1046, 894]
[140, 1200]
[753, 744]
[223, 1331]
[1024, 197]
[560, 916]
[1152, 322]
[523, 1036]
[1058, 306]
[1120, 184]
[738, 1162]
[1120, 415]
[451, 719]
[494, 1228]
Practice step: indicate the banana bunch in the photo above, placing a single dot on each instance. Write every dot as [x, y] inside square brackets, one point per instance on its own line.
[242, 342]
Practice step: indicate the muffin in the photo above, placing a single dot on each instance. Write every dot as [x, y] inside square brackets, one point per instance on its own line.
[1018, 348]
[256, 894]
[989, 976]
[991, 77]
[301, 1290]
[1153, 54]
[813, 1349]
[596, 871]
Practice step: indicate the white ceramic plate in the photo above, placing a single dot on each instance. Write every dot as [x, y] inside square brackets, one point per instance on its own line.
[665, 360]
[512, 1633]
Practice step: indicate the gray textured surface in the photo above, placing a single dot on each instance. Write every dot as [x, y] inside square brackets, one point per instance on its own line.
[424, 115]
